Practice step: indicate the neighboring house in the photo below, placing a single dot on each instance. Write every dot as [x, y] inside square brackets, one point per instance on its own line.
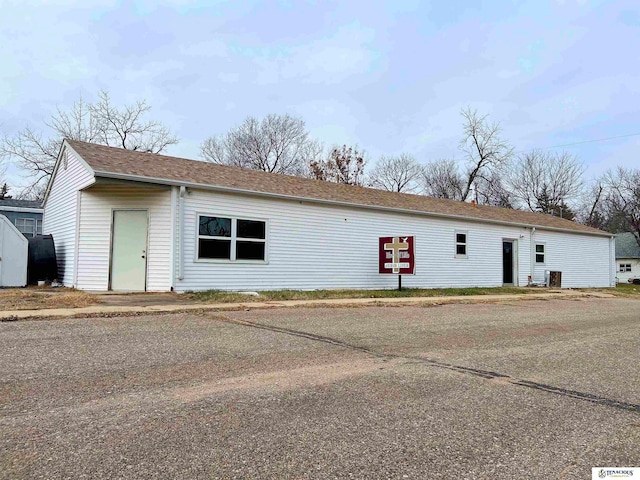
[126, 220]
[627, 257]
[26, 215]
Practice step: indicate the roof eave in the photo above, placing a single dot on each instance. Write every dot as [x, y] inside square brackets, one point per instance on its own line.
[65, 145]
[21, 209]
[204, 186]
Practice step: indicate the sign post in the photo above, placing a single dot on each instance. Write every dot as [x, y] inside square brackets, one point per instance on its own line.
[396, 256]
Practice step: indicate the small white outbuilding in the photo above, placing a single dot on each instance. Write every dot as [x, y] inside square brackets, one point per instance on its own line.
[133, 221]
[14, 252]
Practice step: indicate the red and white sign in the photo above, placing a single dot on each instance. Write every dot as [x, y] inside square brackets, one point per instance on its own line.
[396, 255]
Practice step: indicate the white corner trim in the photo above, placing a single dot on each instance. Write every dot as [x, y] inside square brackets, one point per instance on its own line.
[181, 232]
[76, 250]
[172, 242]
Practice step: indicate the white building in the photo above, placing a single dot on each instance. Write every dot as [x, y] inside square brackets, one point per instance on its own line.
[627, 257]
[125, 220]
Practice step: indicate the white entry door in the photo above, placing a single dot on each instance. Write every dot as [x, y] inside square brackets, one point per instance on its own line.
[129, 250]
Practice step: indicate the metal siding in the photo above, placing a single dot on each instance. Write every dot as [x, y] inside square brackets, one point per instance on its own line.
[98, 202]
[583, 260]
[60, 213]
[312, 246]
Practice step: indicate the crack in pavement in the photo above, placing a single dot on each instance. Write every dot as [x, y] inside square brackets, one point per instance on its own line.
[486, 374]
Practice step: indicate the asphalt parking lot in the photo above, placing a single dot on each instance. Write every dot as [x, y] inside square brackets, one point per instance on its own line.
[529, 389]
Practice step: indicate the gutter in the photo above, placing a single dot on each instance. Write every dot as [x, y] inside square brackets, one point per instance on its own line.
[204, 186]
[21, 209]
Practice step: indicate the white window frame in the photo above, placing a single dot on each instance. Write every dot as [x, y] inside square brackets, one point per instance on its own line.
[465, 243]
[24, 221]
[543, 253]
[38, 230]
[233, 238]
[625, 267]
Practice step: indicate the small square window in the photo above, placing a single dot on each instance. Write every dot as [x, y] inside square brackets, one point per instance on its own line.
[460, 244]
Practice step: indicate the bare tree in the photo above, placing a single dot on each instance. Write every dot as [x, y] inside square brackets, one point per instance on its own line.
[344, 165]
[35, 154]
[484, 149]
[126, 128]
[591, 206]
[396, 174]
[623, 198]
[277, 143]
[545, 182]
[101, 122]
[442, 179]
[492, 190]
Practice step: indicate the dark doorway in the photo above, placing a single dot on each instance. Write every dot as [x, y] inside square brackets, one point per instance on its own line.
[507, 263]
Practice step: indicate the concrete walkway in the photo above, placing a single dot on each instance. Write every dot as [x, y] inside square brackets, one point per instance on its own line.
[114, 310]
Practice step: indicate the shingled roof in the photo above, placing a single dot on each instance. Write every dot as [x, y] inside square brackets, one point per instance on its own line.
[14, 203]
[120, 163]
[627, 246]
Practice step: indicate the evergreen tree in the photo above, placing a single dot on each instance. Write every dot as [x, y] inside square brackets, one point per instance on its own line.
[4, 190]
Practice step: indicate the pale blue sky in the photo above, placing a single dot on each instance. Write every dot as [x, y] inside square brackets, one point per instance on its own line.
[389, 76]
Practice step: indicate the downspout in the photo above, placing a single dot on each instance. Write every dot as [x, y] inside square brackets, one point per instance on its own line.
[532, 252]
[180, 232]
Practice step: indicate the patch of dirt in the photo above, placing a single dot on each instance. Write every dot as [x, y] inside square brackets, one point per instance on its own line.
[39, 298]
